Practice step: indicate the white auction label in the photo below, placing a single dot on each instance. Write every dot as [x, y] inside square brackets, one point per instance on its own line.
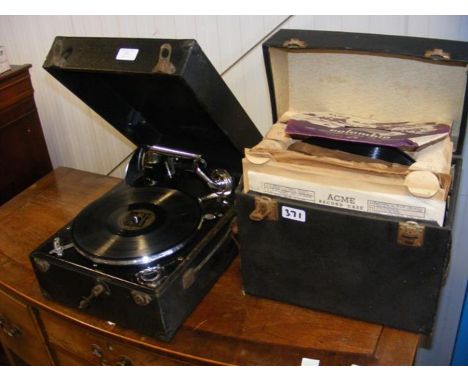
[310, 362]
[127, 54]
[293, 214]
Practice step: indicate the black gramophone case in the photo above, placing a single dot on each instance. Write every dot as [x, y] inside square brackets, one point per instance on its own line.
[371, 267]
[155, 92]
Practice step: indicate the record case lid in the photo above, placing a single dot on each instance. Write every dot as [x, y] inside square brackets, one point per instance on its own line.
[156, 92]
[369, 75]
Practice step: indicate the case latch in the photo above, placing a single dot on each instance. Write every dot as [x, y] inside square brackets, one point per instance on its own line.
[437, 54]
[265, 209]
[410, 234]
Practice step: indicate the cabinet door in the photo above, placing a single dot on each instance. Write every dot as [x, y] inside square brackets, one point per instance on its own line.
[20, 332]
[23, 155]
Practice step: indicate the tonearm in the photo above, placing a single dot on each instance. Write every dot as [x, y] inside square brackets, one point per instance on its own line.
[219, 180]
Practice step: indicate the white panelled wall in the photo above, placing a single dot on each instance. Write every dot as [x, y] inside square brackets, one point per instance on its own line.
[77, 137]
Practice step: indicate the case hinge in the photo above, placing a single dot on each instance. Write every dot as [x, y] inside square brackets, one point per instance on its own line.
[265, 209]
[437, 54]
[164, 64]
[294, 43]
[410, 234]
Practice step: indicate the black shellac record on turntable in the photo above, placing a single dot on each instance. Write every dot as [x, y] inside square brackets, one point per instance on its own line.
[136, 225]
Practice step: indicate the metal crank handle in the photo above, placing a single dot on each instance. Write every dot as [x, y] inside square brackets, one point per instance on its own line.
[97, 290]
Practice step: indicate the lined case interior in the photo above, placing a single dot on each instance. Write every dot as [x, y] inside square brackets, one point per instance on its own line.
[375, 86]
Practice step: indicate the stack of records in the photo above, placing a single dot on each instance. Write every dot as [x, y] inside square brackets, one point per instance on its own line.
[397, 168]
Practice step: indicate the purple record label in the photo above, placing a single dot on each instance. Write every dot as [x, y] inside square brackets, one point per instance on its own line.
[403, 135]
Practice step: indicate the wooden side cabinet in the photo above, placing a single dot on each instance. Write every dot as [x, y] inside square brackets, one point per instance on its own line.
[23, 153]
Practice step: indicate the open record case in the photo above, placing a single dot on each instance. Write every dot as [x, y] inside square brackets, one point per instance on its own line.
[375, 267]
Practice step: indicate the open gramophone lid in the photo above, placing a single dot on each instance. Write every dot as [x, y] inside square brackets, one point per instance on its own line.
[167, 94]
[136, 225]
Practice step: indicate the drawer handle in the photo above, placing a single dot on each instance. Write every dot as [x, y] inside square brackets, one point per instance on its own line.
[9, 329]
[121, 361]
[98, 352]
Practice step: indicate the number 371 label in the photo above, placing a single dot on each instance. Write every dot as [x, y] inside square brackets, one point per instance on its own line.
[293, 214]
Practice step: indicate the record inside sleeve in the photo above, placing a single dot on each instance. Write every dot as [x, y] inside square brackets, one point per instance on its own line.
[136, 225]
[385, 153]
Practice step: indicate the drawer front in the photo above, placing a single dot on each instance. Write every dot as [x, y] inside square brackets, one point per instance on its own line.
[15, 89]
[64, 358]
[17, 111]
[72, 343]
[20, 331]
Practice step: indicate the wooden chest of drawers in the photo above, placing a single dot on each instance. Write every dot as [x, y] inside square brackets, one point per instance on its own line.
[81, 346]
[23, 152]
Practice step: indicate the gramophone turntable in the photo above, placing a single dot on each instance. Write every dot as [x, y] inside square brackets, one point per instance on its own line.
[144, 254]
